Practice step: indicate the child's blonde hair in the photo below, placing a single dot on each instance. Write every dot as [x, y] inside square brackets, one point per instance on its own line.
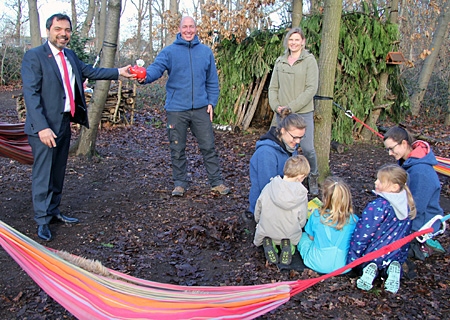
[295, 166]
[337, 203]
[394, 174]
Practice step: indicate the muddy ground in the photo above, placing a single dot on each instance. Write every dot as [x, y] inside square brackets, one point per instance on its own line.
[130, 222]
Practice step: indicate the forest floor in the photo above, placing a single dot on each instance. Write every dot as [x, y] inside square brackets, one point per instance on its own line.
[130, 223]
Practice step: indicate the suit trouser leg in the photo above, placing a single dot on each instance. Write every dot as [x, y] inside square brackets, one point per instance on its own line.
[48, 174]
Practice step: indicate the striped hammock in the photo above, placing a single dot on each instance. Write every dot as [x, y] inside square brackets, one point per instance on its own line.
[443, 166]
[96, 292]
[14, 143]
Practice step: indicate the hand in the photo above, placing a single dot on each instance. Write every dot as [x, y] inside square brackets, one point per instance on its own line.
[279, 109]
[210, 110]
[48, 137]
[125, 73]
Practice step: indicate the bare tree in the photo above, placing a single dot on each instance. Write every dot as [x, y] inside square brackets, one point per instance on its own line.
[428, 66]
[447, 116]
[35, 30]
[100, 24]
[327, 70]
[297, 12]
[85, 145]
[173, 9]
[141, 7]
[87, 24]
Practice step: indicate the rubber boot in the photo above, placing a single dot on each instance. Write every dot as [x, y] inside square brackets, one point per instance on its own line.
[313, 184]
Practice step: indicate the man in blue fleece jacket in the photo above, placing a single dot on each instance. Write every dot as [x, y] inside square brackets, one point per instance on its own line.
[192, 91]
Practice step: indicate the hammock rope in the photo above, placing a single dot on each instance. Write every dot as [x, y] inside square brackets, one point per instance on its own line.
[443, 166]
[115, 295]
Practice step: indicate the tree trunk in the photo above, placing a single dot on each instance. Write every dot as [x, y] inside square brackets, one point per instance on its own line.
[428, 66]
[100, 24]
[173, 8]
[447, 116]
[73, 9]
[297, 12]
[87, 24]
[35, 30]
[327, 70]
[86, 142]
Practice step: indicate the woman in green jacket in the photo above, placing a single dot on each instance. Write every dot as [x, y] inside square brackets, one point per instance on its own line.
[294, 83]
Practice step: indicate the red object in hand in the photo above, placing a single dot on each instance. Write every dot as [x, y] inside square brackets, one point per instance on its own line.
[140, 72]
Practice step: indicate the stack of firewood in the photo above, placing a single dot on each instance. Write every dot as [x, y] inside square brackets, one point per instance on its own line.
[119, 105]
[118, 108]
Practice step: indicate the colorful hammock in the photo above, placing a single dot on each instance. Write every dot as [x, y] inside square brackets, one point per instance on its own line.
[443, 166]
[14, 143]
[97, 292]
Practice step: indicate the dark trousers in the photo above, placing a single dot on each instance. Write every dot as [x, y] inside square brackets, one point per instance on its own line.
[201, 127]
[48, 173]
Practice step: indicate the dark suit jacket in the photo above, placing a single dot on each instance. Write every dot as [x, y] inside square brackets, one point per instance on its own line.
[43, 88]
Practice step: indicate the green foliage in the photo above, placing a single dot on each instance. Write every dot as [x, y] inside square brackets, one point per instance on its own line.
[11, 59]
[78, 44]
[365, 39]
[240, 63]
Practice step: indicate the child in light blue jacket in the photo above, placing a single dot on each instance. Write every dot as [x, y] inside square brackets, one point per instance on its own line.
[324, 244]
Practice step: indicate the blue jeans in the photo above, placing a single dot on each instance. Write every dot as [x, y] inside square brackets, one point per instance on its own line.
[201, 127]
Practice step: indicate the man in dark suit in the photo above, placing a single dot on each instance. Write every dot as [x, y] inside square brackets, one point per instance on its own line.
[54, 97]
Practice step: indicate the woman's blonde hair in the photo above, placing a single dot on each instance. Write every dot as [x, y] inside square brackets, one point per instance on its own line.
[394, 174]
[337, 203]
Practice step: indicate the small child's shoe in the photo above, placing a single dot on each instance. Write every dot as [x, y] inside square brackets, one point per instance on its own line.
[392, 283]
[286, 252]
[269, 250]
[369, 273]
[435, 245]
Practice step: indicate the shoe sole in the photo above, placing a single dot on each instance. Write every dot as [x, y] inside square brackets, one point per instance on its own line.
[392, 283]
[286, 252]
[369, 274]
[269, 251]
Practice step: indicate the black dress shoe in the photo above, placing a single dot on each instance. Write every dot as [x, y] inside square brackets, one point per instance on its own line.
[66, 219]
[44, 233]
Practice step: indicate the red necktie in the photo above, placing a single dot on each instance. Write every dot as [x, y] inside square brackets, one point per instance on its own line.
[67, 82]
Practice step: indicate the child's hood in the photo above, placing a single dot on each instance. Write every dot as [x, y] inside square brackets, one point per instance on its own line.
[398, 200]
[286, 194]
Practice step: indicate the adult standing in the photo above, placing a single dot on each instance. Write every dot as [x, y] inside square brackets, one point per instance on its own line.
[417, 158]
[53, 79]
[294, 83]
[192, 92]
[272, 151]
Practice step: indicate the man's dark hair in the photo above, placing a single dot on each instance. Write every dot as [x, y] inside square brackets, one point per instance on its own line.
[58, 16]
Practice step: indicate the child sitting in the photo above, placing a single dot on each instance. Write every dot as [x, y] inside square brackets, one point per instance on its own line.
[324, 245]
[281, 210]
[383, 221]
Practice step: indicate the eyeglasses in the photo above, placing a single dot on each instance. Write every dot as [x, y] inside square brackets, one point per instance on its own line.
[391, 149]
[294, 137]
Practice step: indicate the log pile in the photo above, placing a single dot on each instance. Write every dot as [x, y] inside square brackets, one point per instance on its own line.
[119, 105]
[118, 109]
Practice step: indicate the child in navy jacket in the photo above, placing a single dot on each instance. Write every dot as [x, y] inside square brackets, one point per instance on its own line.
[383, 221]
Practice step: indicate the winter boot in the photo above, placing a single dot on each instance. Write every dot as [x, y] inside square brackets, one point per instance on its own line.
[313, 184]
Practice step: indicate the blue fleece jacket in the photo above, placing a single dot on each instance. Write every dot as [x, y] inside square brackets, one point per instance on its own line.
[267, 162]
[424, 183]
[193, 82]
